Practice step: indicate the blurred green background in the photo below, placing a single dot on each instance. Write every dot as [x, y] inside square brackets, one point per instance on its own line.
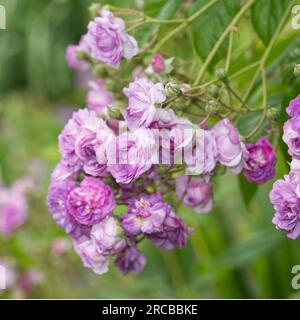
[235, 251]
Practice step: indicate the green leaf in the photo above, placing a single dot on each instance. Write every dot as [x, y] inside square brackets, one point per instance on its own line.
[248, 189]
[266, 15]
[161, 10]
[208, 28]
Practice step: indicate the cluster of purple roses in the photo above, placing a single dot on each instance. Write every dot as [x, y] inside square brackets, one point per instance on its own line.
[137, 160]
[285, 194]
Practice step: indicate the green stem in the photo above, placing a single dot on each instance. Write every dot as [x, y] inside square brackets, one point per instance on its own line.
[221, 39]
[264, 103]
[229, 53]
[184, 24]
[268, 51]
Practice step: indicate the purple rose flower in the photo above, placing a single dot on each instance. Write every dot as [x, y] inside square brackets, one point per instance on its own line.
[195, 192]
[91, 202]
[293, 109]
[107, 234]
[291, 136]
[90, 256]
[146, 214]
[231, 151]
[57, 204]
[130, 260]
[73, 61]
[13, 206]
[174, 233]
[260, 162]
[130, 155]
[98, 97]
[202, 158]
[107, 40]
[142, 96]
[83, 143]
[285, 197]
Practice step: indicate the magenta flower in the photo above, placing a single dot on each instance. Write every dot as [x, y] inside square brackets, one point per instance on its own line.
[107, 40]
[142, 96]
[130, 260]
[174, 233]
[130, 155]
[91, 202]
[157, 64]
[108, 236]
[231, 151]
[98, 97]
[291, 136]
[195, 192]
[260, 162]
[90, 256]
[285, 197]
[293, 109]
[146, 214]
[13, 205]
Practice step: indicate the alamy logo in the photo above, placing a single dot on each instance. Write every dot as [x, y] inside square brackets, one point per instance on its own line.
[2, 17]
[296, 17]
[2, 278]
[296, 279]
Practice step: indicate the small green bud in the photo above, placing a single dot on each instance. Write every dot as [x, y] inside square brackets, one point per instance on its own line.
[297, 70]
[219, 170]
[172, 89]
[272, 114]
[221, 74]
[94, 9]
[211, 106]
[115, 112]
[213, 90]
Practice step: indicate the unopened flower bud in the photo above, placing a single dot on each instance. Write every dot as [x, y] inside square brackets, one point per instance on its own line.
[213, 90]
[272, 114]
[172, 89]
[211, 106]
[221, 74]
[297, 70]
[115, 112]
[95, 9]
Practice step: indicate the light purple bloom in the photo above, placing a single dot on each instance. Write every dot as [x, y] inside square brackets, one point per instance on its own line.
[73, 61]
[108, 236]
[174, 233]
[142, 96]
[231, 151]
[98, 97]
[83, 143]
[91, 202]
[13, 206]
[130, 260]
[293, 109]
[146, 214]
[291, 136]
[90, 256]
[203, 157]
[195, 192]
[260, 162]
[285, 197]
[57, 204]
[130, 155]
[107, 40]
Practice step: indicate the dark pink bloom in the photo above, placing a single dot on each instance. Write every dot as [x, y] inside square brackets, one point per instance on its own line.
[260, 162]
